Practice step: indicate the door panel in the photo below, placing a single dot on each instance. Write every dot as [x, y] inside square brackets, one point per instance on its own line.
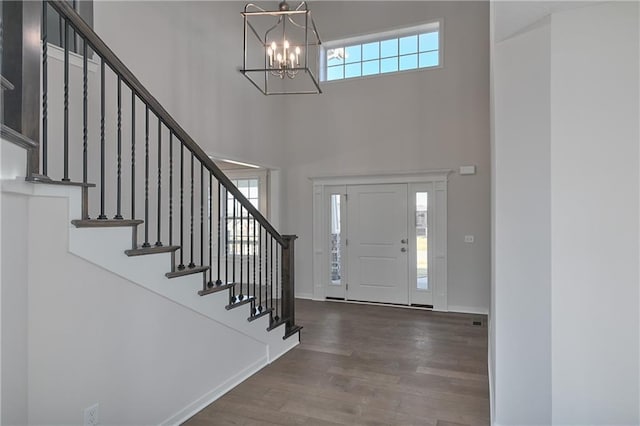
[377, 245]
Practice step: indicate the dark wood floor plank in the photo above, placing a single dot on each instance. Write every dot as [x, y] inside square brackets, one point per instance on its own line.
[367, 365]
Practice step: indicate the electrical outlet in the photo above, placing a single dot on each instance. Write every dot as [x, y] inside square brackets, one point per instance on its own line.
[91, 416]
[469, 239]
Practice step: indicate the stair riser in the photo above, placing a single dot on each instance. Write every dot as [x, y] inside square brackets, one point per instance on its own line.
[148, 271]
[105, 248]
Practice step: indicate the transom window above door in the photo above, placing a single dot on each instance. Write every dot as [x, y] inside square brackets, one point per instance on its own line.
[405, 49]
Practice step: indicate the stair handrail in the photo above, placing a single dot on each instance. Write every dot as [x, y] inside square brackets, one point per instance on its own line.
[99, 46]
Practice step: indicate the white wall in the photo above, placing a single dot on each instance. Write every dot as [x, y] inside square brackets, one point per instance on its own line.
[188, 55]
[14, 310]
[594, 214]
[431, 119]
[89, 336]
[177, 54]
[94, 337]
[566, 180]
[522, 205]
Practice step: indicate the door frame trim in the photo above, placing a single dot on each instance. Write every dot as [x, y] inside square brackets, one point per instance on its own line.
[438, 178]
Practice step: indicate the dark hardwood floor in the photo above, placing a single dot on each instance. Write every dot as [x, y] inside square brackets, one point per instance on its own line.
[367, 365]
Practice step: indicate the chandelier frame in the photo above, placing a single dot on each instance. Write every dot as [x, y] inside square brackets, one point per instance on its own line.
[260, 77]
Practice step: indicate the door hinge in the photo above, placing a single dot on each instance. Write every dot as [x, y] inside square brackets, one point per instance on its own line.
[346, 241]
[347, 286]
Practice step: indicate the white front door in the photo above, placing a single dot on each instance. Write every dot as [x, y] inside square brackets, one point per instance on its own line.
[377, 243]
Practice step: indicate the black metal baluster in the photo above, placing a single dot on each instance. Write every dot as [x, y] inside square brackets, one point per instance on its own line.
[202, 214]
[181, 265]
[159, 224]
[65, 177]
[102, 141]
[271, 271]
[226, 237]
[133, 154]
[75, 38]
[248, 258]
[246, 249]
[191, 263]
[170, 187]
[233, 248]
[210, 283]
[254, 259]
[85, 130]
[266, 270]
[44, 87]
[119, 159]
[260, 269]
[60, 27]
[279, 300]
[146, 177]
[241, 253]
[219, 281]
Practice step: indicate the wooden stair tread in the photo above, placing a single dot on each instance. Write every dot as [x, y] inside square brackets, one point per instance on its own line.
[246, 300]
[293, 330]
[276, 324]
[141, 251]
[186, 271]
[47, 180]
[260, 315]
[105, 223]
[216, 289]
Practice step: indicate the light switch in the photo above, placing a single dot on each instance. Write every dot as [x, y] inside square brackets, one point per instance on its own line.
[468, 238]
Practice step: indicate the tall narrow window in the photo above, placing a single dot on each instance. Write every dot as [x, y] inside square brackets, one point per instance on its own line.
[422, 242]
[240, 225]
[55, 25]
[334, 257]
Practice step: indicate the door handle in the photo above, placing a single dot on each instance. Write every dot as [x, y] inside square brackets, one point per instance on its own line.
[403, 241]
[403, 249]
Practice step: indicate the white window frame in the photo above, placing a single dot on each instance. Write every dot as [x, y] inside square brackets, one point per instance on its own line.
[262, 176]
[437, 25]
[434, 180]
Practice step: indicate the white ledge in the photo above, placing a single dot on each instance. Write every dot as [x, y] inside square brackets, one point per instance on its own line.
[384, 177]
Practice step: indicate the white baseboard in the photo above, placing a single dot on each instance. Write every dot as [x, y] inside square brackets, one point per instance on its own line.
[206, 399]
[468, 310]
[306, 296]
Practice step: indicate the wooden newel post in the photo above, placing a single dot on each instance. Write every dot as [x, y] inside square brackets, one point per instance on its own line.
[288, 281]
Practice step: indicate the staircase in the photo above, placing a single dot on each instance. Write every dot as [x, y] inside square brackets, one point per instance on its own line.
[146, 202]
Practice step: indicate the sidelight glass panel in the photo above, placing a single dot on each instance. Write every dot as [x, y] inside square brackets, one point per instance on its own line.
[422, 257]
[335, 272]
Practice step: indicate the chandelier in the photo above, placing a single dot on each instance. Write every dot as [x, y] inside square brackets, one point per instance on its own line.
[281, 49]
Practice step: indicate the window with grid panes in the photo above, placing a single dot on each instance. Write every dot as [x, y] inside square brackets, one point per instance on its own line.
[242, 236]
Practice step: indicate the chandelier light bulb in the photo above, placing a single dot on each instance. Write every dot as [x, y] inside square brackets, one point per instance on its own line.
[286, 44]
[279, 57]
[270, 54]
